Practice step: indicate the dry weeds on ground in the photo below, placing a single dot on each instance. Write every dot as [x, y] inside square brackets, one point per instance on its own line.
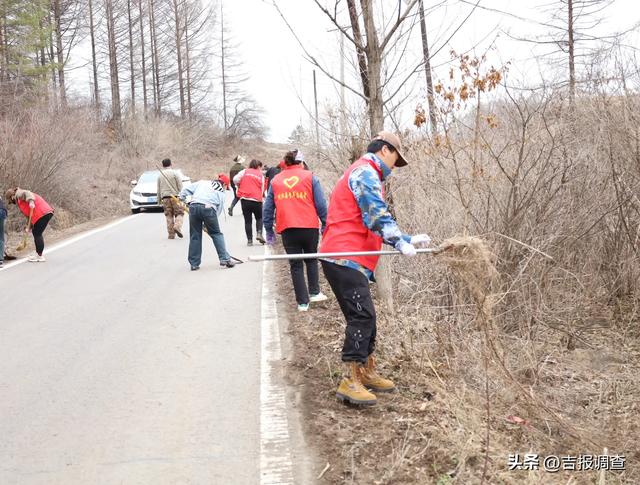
[551, 365]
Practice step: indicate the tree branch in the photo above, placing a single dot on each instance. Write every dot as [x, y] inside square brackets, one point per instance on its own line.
[401, 18]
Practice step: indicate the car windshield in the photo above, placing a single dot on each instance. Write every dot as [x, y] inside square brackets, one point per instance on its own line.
[147, 177]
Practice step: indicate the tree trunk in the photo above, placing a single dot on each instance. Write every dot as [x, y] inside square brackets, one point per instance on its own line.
[3, 54]
[144, 61]
[572, 66]
[52, 58]
[58, 31]
[188, 59]
[131, 68]
[96, 88]
[427, 69]
[224, 79]
[376, 123]
[357, 36]
[155, 59]
[179, 58]
[113, 63]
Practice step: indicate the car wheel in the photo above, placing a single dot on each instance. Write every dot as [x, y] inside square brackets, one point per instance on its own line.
[135, 211]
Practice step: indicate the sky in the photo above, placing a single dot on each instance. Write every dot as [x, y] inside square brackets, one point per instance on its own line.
[281, 78]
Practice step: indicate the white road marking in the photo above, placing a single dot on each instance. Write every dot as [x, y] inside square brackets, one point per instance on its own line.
[72, 240]
[276, 466]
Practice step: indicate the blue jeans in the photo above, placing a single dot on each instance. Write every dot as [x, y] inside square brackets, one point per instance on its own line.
[2, 218]
[199, 215]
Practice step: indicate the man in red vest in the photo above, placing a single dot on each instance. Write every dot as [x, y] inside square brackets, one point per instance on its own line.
[297, 199]
[250, 183]
[37, 211]
[359, 220]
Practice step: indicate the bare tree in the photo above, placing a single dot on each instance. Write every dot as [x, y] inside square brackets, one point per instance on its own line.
[94, 61]
[144, 59]
[427, 69]
[241, 115]
[177, 6]
[113, 62]
[131, 65]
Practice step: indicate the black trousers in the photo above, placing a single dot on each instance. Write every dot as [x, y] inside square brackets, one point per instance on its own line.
[351, 288]
[297, 241]
[235, 196]
[251, 208]
[37, 230]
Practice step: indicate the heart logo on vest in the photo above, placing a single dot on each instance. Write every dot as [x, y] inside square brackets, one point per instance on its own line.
[291, 182]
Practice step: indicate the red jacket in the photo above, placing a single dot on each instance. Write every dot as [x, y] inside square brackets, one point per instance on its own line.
[42, 208]
[252, 185]
[293, 196]
[345, 229]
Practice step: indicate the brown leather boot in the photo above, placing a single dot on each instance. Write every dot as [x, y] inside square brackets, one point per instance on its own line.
[372, 380]
[351, 389]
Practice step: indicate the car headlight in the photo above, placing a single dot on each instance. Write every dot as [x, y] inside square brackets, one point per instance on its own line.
[137, 193]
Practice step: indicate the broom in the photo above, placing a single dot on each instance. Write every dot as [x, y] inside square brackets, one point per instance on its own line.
[23, 243]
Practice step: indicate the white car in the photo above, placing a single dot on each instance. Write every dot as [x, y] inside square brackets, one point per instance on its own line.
[144, 194]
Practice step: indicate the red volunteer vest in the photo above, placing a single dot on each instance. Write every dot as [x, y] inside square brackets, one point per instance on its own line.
[41, 208]
[345, 229]
[251, 185]
[293, 195]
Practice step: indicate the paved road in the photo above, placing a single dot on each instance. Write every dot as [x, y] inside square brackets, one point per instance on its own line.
[119, 365]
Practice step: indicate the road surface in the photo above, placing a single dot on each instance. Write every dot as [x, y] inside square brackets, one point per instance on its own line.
[120, 365]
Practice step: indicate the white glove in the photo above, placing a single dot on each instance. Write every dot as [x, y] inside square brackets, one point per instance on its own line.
[420, 239]
[406, 248]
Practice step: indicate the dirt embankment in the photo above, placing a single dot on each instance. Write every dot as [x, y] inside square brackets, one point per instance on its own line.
[459, 391]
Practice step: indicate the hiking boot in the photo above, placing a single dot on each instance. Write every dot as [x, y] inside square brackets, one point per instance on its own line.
[303, 307]
[227, 264]
[351, 389]
[318, 298]
[179, 233]
[37, 258]
[372, 380]
[260, 239]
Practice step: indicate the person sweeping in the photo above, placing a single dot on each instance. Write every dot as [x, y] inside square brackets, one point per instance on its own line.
[296, 197]
[38, 213]
[250, 190]
[359, 220]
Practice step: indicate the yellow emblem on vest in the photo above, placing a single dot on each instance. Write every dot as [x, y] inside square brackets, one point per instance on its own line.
[291, 182]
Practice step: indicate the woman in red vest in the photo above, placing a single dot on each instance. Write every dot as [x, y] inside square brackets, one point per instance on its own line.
[250, 183]
[37, 211]
[359, 220]
[297, 199]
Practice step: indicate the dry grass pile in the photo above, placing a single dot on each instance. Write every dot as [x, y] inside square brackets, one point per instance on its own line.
[473, 265]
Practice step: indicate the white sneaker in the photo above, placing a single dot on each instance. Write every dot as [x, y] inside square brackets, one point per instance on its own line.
[303, 307]
[318, 298]
[37, 259]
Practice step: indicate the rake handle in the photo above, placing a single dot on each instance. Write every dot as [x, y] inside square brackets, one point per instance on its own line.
[391, 252]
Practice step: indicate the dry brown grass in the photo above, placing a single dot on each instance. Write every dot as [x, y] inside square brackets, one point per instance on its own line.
[553, 271]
